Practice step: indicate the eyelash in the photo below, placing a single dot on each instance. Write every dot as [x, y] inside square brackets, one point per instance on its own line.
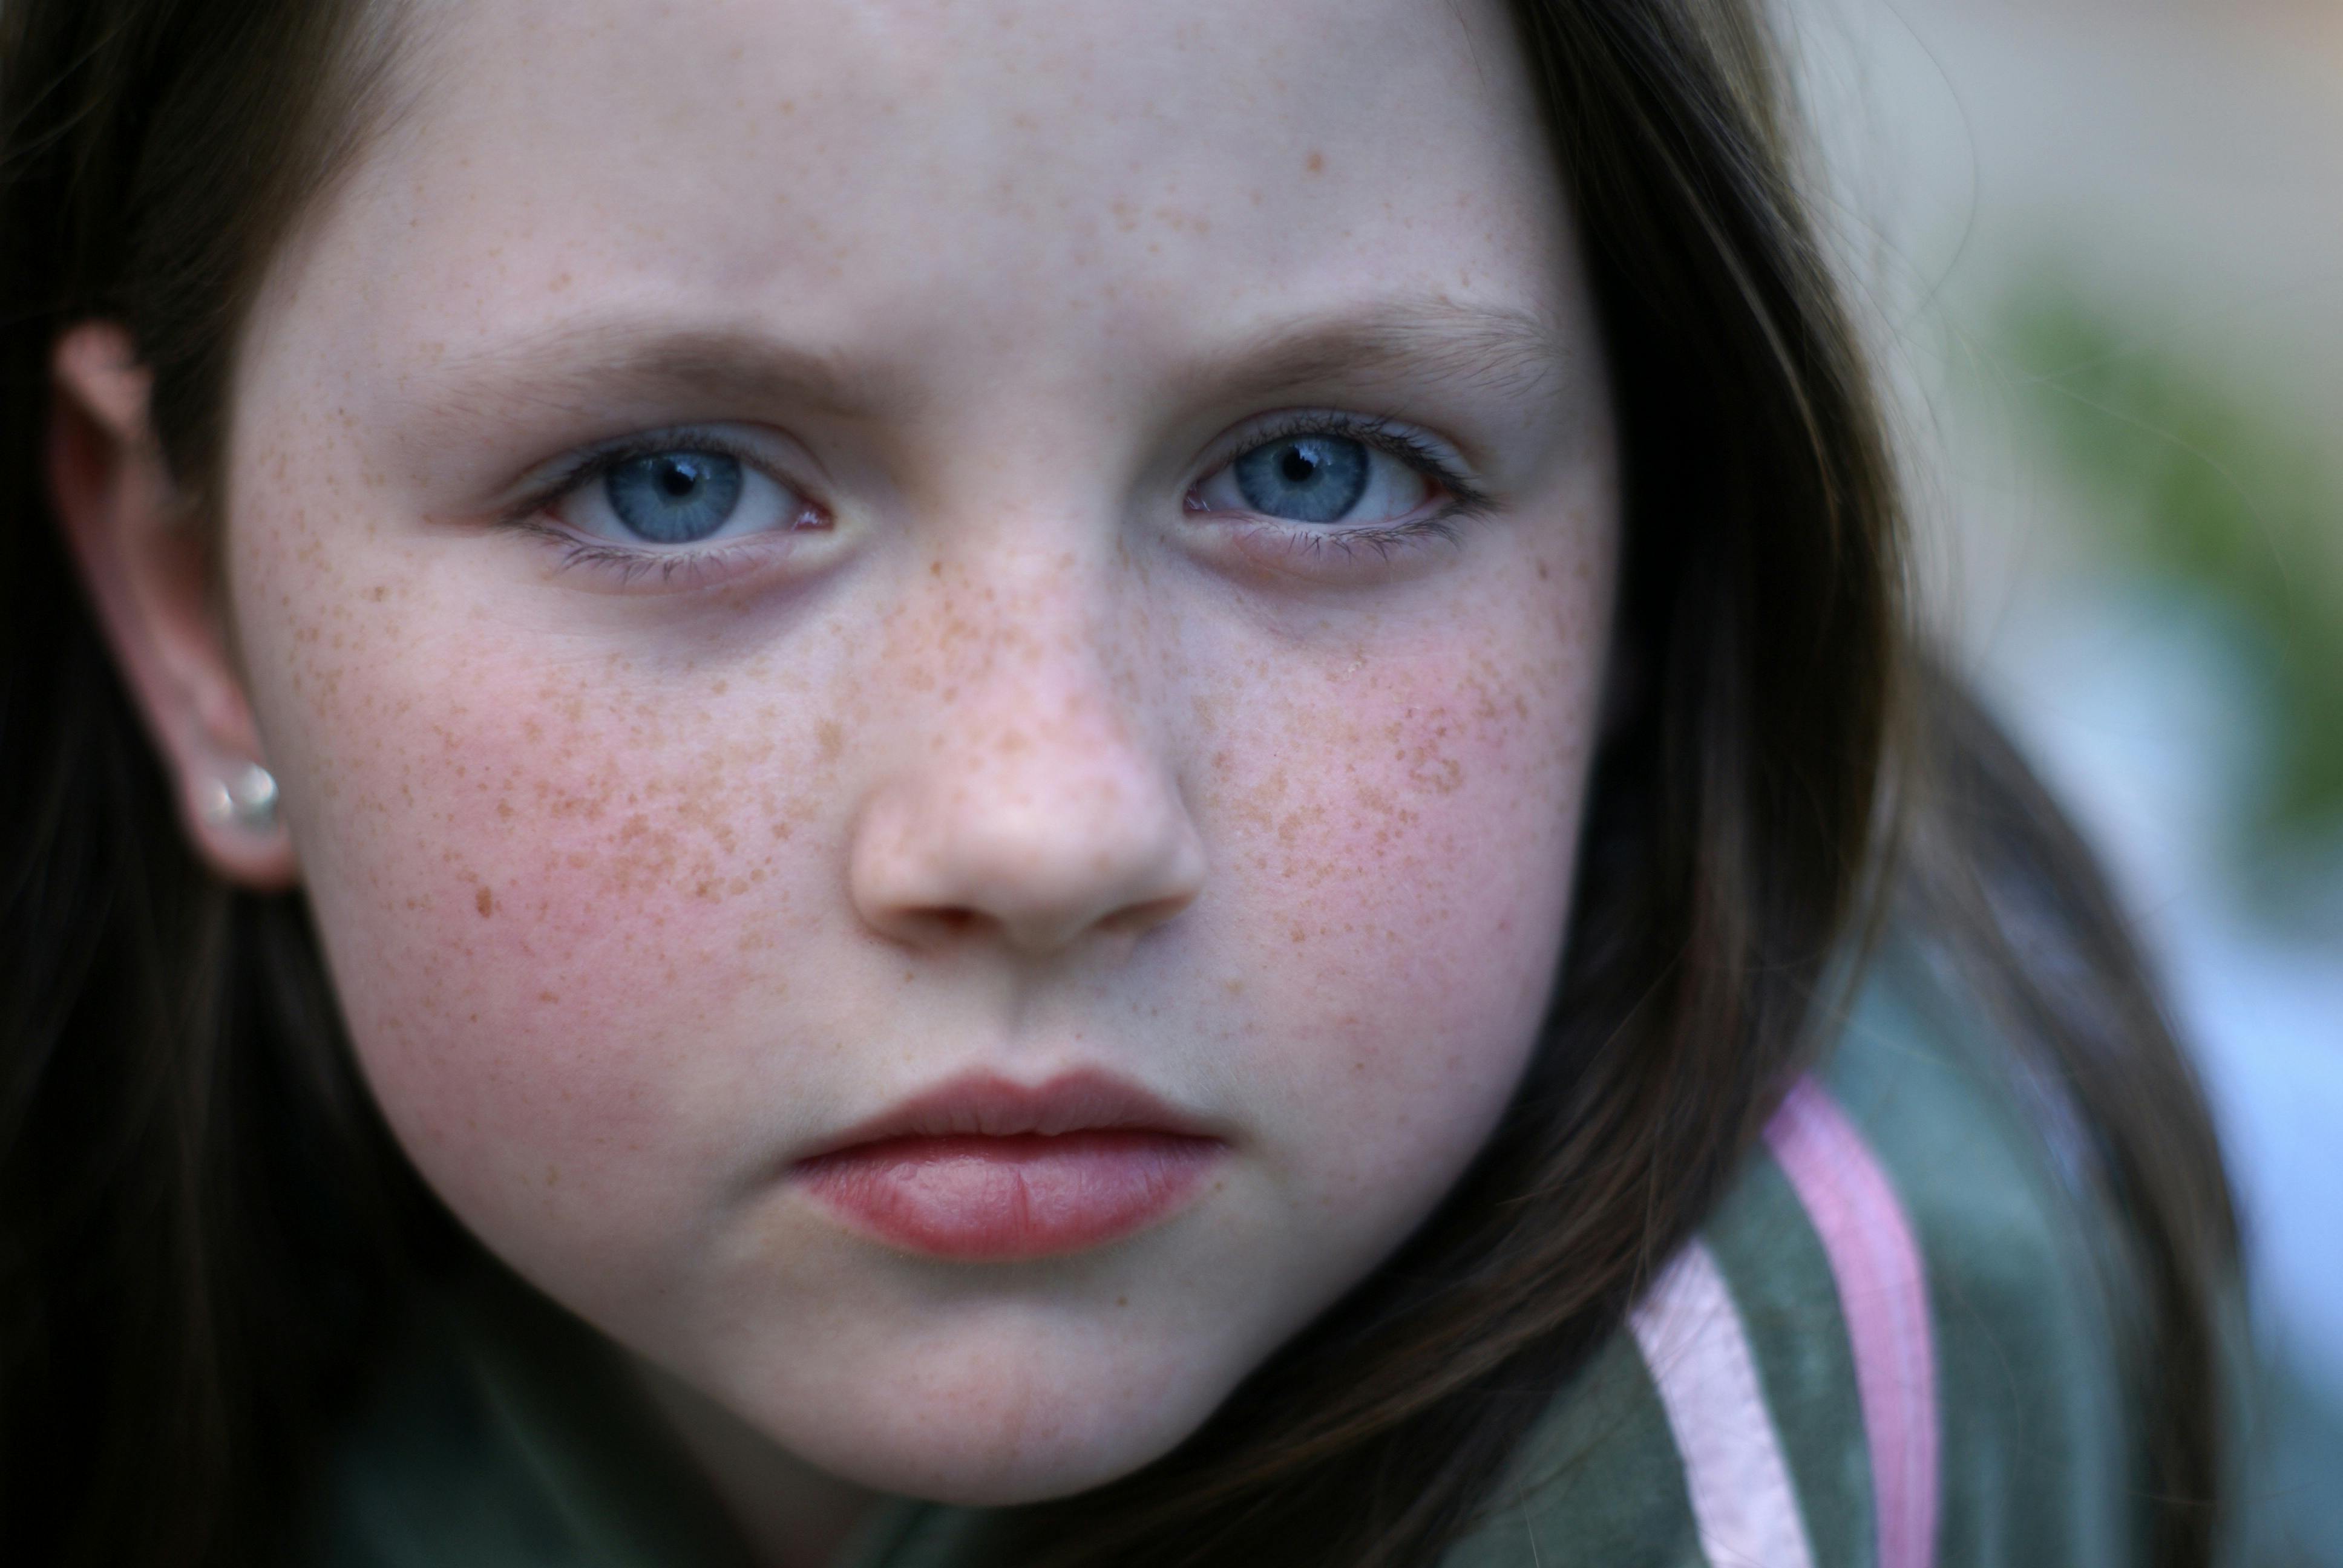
[631, 564]
[1464, 499]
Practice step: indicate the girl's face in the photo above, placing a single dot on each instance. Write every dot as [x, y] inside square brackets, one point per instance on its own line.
[932, 666]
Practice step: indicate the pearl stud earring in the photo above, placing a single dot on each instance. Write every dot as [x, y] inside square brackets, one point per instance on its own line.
[246, 798]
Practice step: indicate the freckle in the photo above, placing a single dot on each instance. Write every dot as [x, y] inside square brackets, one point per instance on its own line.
[485, 903]
[1234, 987]
[553, 1175]
[831, 739]
[1316, 163]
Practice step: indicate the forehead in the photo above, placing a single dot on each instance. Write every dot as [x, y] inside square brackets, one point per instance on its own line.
[966, 171]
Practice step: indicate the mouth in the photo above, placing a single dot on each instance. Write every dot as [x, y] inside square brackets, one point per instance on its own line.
[984, 1170]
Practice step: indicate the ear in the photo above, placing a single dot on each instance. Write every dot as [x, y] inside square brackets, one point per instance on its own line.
[150, 578]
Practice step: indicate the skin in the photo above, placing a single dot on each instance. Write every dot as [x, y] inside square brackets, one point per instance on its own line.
[637, 881]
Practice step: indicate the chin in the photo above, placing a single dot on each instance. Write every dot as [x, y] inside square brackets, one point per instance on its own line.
[961, 1473]
[954, 1434]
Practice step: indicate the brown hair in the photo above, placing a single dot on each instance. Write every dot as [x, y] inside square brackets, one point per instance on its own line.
[202, 1219]
[199, 1207]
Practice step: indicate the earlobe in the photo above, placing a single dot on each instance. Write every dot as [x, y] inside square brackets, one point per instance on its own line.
[150, 578]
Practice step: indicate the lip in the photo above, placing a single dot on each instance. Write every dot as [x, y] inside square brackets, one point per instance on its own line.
[983, 1169]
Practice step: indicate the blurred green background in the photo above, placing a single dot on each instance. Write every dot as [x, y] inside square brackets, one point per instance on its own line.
[2220, 492]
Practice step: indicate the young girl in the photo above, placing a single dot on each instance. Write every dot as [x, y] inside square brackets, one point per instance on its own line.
[800, 782]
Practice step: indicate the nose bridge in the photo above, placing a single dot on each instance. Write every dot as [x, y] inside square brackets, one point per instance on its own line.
[1037, 792]
[1034, 661]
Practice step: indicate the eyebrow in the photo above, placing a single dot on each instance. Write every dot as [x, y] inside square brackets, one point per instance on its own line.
[579, 368]
[1510, 352]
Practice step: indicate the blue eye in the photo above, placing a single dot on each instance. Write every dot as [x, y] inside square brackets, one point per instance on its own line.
[674, 498]
[665, 492]
[1316, 472]
[1303, 478]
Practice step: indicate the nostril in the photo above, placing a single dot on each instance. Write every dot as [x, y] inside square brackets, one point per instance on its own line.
[1145, 917]
[931, 926]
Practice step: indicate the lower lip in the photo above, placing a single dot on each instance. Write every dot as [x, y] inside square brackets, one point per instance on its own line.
[997, 1199]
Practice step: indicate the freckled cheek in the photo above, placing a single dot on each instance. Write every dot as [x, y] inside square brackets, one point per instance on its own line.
[1403, 904]
[548, 913]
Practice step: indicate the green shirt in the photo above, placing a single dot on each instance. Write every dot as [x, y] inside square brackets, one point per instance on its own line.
[1894, 1346]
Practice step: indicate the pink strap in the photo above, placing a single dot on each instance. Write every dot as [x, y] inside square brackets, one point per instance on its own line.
[1882, 1291]
[1743, 1506]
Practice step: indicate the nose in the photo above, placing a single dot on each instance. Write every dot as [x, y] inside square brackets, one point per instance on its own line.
[1037, 805]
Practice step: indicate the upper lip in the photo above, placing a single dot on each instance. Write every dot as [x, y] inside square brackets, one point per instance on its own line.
[988, 1105]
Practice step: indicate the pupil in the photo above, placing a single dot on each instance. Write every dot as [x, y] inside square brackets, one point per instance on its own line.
[1297, 465]
[677, 480]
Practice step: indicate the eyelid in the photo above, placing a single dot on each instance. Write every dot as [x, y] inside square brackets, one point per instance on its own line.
[624, 568]
[1428, 455]
[537, 492]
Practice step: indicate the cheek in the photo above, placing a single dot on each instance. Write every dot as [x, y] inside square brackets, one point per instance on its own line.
[1395, 843]
[550, 908]
[1410, 837]
[544, 887]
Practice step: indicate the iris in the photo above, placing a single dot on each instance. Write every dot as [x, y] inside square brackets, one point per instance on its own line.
[1304, 479]
[675, 498]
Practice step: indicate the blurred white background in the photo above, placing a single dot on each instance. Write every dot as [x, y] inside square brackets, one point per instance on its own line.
[2101, 245]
